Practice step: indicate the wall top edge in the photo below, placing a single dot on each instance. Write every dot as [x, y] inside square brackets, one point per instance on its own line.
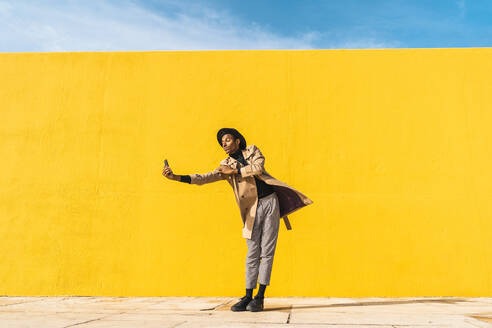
[247, 50]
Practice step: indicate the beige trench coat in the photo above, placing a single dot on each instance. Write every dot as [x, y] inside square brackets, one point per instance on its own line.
[244, 186]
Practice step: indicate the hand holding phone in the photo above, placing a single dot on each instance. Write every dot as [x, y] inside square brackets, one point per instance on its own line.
[167, 172]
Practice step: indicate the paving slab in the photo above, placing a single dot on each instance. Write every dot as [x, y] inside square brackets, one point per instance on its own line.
[378, 318]
[241, 325]
[189, 312]
[39, 320]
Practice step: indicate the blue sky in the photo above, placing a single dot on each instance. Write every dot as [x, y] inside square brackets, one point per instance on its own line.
[131, 25]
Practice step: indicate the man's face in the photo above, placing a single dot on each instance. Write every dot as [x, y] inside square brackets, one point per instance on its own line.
[229, 144]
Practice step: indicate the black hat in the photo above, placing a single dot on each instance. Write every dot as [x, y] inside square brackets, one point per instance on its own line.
[235, 133]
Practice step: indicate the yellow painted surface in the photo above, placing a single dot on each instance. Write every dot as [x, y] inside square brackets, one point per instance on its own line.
[393, 146]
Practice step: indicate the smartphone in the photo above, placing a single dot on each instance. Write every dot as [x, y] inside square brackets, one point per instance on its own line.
[166, 163]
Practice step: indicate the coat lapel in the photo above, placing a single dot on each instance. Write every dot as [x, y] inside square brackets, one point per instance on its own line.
[233, 162]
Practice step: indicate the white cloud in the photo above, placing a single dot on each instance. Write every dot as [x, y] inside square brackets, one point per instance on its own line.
[366, 43]
[104, 25]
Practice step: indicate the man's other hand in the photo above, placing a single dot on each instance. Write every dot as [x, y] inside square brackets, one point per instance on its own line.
[224, 169]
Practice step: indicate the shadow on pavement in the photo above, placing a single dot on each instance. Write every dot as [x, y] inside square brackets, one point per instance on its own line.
[440, 300]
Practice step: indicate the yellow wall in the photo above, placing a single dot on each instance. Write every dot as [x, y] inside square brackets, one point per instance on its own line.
[393, 146]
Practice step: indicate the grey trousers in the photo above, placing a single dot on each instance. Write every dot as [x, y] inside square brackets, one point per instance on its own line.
[261, 246]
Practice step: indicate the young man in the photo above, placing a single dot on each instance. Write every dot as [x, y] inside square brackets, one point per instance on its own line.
[262, 201]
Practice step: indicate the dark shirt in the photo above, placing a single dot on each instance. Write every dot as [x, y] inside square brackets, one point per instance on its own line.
[263, 189]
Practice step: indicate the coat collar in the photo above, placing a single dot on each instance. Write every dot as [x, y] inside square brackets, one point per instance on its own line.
[246, 154]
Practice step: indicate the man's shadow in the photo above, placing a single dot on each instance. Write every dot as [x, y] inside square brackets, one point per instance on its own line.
[440, 300]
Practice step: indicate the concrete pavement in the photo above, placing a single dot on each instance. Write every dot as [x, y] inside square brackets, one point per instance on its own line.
[184, 312]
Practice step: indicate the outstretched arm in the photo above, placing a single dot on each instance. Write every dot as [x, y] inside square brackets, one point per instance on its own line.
[198, 179]
[208, 177]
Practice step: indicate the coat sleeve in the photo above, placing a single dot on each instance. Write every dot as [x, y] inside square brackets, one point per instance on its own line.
[257, 164]
[213, 176]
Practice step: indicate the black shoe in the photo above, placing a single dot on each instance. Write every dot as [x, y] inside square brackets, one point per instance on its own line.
[241, 305]
[255, 305]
